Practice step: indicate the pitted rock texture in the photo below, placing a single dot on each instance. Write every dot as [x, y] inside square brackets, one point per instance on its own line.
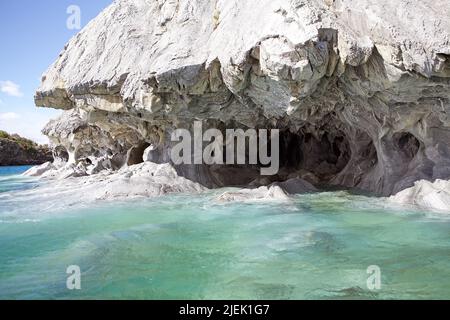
[359, 88]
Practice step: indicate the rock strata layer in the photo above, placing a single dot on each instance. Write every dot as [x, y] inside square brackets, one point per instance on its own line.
[359, 89]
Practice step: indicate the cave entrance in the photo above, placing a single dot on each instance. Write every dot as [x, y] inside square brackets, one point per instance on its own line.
[61, 154]
[407, 143]
[136, 154]
[315, 153]
[322, 155]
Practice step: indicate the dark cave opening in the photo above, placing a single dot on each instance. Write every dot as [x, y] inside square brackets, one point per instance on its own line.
[136, 154]
[61, 153]
[407, 143]
[315, 153]
[323, 155]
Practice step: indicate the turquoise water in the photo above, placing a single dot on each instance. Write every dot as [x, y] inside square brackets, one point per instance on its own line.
[189, 247]
[10, 179]
[9, 171]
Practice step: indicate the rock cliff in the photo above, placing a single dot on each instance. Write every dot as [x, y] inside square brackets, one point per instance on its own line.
[15, 150]
[360, 89]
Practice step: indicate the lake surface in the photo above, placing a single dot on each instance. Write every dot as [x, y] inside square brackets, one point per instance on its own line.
[319, 246]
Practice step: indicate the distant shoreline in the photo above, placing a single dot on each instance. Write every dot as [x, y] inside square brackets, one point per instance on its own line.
[18, 151]
[19, 165]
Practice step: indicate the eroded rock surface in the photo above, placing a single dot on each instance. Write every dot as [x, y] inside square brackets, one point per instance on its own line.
[40, 170]
[359, 88]
[275, 191]
[142, 180]
[253, 195]
[425, 194]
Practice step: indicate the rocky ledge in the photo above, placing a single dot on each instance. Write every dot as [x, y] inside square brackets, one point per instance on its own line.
[425, 194]
[359, 89]
[15, 150]
[141, 180]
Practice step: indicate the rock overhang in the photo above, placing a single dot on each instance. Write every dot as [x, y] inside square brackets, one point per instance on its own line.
[368, 71]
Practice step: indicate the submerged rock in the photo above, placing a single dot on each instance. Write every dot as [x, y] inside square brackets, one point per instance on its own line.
[295, 186]
[251, 195]
[359, 89]
[425, 194]
[275, 191]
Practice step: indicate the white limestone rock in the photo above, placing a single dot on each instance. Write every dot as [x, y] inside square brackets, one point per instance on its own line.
[143, 180]
[251, 195]
[364, 85]
[425, 194]
[38, 171]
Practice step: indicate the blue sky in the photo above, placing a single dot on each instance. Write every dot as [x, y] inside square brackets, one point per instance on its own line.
[32, 34]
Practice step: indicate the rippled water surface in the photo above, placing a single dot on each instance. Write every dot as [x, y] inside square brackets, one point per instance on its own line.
[190, 247]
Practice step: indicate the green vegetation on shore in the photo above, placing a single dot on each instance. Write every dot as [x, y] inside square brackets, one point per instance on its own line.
[16, 150]
[25, 143]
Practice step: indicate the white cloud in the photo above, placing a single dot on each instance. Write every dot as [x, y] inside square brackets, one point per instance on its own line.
[10, 88]
[9, 116]
[28, 124]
